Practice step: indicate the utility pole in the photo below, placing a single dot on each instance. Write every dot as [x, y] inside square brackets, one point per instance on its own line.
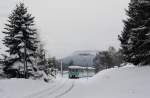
[61, 69]
[87, 72]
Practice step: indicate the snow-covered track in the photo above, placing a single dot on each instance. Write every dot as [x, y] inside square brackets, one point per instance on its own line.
[46, 90]
[58, 91]
[52, 91]
[66, 91]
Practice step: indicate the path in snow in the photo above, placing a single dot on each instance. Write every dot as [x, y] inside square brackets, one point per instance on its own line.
[60, 91]
[65, 92]
[57, 90]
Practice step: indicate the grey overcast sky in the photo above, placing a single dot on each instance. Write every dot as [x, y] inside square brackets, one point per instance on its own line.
[69, 25]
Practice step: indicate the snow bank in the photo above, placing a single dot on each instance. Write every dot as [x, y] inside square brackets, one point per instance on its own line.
[128, 65]
[20, 88]
[128, 82]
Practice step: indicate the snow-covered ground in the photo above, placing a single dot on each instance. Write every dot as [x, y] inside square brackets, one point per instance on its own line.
[125, 82]
[24, 88]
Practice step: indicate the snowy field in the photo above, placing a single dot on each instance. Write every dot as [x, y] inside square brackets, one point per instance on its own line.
[125, 82]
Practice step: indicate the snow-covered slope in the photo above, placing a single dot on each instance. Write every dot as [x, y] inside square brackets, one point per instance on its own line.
[20, 88]
[127, 82]
[25, 88]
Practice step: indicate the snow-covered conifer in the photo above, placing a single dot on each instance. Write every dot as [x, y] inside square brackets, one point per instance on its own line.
[136, 33]
[20, 39]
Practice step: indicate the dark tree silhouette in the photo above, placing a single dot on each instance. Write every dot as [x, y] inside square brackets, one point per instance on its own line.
[135, 36]
[20, 39]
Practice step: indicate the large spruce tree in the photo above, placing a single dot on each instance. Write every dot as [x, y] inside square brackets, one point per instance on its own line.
[20, 38]
[135, 37]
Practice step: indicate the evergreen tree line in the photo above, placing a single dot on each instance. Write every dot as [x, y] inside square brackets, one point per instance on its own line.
[108, 59]
[26, 54]
[135, 37]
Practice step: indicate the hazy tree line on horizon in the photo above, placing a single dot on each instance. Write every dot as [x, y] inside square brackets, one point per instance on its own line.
[107, 59]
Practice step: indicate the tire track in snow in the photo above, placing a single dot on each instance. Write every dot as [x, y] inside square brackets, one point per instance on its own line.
[65, 92]
[52, 91]
[42, 92]
[62, 91]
